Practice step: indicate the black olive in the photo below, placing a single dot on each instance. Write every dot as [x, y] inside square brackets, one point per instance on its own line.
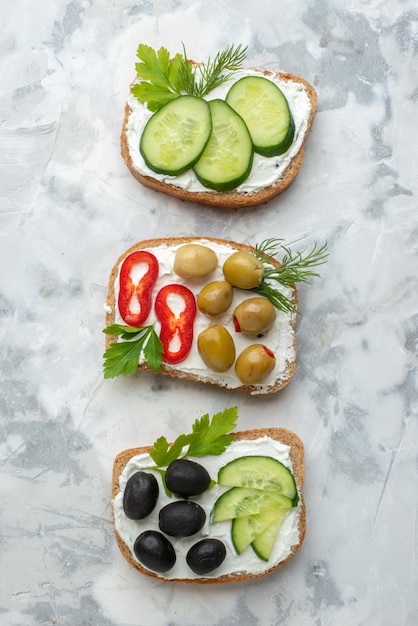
[154, 551]
[140, 495]
[181, 519]
[187, 478]
[206, 555]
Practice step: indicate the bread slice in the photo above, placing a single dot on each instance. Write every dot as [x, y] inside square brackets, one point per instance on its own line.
[285, 361]
[235, 199]
[281, 435]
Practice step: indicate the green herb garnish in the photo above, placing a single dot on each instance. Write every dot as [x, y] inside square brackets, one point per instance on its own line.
[162, 78]
[122, 357]
[207, 437]
[295, 267]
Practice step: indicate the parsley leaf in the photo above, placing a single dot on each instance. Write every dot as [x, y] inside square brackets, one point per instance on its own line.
[122, 357]
[160, 78]
[163, 453]
[207, 437]
[211, 436]
[153, 350]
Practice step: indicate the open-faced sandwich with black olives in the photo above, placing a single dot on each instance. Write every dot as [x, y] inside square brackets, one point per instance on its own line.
[207, 310]
[215, 506]
[215, 133]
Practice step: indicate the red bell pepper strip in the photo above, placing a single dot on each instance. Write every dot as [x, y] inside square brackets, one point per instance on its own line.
[135, 296]
[176, 332]
[236, 324]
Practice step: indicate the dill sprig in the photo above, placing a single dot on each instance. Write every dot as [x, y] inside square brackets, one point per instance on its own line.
[295, 267]
[212, 73]
[277, 298]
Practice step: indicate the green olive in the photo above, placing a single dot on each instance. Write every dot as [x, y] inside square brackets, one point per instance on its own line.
[216, 347]
[254, 316]
[243, 270]
[194, 261]
[254, 364]
[215, 298]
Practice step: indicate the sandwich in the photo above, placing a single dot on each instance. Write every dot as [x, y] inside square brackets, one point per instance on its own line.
[214, 506]
[206, 310]
[215, 133]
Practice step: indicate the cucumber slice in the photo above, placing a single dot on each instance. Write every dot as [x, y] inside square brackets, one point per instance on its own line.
[240, 502]
[266, 112]
[245, 530]
[175, 136]
[263, 544]
[259, 472]
[228, 156]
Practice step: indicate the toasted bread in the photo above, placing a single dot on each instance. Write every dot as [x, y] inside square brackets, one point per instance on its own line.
[235, 572]
[193, 368]
[287, 165]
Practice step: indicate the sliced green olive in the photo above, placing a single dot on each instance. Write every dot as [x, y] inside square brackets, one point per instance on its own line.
[254, 364]
[243, 270]
[254, 316]
[215, 298]
[194, 261]
[216, 347]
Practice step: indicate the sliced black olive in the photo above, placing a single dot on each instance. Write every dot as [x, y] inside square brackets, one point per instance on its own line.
[140, 495]
[205, 556]
[187, 478]
[154, 551]
[182, 518]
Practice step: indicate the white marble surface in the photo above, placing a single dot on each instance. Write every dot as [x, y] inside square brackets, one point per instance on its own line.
[69, 207]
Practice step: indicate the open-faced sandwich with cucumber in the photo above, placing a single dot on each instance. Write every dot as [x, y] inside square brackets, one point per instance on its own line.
[214, 506]
[214, 132]
[207, 310]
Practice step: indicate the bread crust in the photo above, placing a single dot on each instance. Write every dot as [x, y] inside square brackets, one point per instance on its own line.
[297, 457]
[111, 306]
[229, 199]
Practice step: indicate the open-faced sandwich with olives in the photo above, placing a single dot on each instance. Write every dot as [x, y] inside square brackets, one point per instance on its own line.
[215, 133]
[207, 310]
[215, 506]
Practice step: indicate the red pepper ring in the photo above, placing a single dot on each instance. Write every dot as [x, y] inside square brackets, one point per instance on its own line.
[176, 333]
[135, 296]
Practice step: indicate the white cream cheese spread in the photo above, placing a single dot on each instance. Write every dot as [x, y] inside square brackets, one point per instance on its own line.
[247, 562]
[279, 339]
[265, 171]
